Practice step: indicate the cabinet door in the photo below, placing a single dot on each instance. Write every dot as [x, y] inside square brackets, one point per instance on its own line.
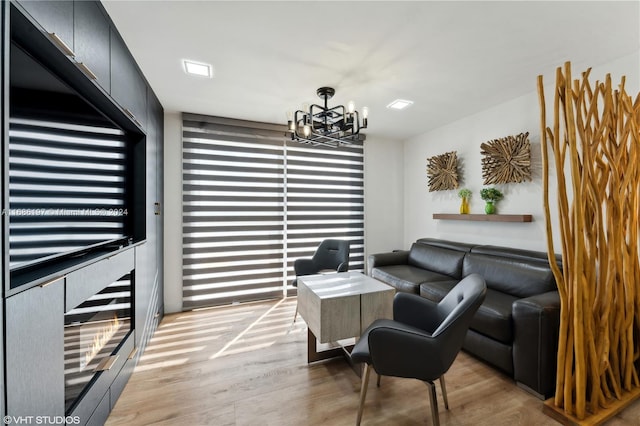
[142, 300]
[155, 132]
[54, 16]
[128, 87]
[149, 255]
[159, 114]
[35, 355]
[91, 40]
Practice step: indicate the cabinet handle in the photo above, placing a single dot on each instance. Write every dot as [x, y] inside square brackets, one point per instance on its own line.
[133, 353]
[132, 116]
[106, 363]
[46, 283]
[62, 45]
[85, 69]
[118, 253]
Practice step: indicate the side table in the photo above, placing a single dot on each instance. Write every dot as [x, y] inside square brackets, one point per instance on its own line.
[340, 306]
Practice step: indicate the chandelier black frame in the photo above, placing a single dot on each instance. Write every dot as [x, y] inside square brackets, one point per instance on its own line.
[321, 125]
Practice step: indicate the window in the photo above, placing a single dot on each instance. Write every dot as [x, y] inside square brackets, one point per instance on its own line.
[325, 199]
[253, 202]
[67, 187]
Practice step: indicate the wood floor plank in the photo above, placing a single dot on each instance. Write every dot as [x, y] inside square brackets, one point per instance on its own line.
[246, 365]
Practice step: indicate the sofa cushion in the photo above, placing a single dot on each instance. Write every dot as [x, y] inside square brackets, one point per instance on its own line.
[515, 253]
[436, 290]
[493, 318]
[516, 277]
[451, 245]
[443, 261]
[406, 278]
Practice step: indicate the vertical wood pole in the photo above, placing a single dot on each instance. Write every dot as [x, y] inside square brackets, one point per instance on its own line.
[593, 145]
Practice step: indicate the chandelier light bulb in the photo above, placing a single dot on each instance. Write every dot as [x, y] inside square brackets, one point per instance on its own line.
[290, 120]
[351, 106]
[365, 112]
[305, 107]
[307, 130]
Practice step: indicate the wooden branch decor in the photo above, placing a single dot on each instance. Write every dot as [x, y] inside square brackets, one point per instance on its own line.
[442, 171]
[594, 145]
[506, 160]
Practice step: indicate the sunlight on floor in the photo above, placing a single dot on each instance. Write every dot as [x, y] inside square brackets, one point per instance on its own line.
[239, 340]
[213, 333]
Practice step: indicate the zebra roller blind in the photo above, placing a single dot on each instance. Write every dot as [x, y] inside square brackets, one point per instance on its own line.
[324, 199]
[66, 185]
[253, 202]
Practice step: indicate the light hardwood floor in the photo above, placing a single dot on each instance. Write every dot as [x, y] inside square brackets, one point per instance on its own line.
[246, 365]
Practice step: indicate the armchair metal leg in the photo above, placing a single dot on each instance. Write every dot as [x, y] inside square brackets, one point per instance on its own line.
[363, 392]
[296, 314]
[378, 382]
[444, 392]
[434, 403]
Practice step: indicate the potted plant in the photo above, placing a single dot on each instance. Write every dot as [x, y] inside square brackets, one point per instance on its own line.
[490, 196]
[464, 194]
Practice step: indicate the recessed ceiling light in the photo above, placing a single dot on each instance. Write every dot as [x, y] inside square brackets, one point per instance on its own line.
[399, 104]
[199, 69]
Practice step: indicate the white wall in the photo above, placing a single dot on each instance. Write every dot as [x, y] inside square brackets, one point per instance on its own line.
[384, 213]
[465, 136]
[172, 212]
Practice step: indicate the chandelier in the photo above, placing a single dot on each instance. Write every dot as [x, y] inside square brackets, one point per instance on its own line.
[321, 125]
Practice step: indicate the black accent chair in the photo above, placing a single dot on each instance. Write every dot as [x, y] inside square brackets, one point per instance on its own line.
[422, 340]
[331, 255]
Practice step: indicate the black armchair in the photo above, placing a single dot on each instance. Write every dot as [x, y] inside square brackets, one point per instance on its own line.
[422, 340]
[331, 255]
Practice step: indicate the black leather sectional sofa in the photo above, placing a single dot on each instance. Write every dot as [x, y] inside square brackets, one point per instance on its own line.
[516, 327]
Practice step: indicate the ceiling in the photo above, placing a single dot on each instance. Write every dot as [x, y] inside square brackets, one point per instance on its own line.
[451, 58]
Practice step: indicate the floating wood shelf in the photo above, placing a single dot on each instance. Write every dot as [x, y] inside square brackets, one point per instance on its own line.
[485, 217]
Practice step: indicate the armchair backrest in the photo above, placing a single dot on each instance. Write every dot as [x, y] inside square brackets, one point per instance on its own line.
[424, 338]
[332, 254]
[457, 309]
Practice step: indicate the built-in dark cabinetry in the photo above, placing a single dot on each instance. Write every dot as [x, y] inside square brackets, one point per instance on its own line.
[156, 127]
[55, 17]
[41, 297]
[149, 256]
[34, 352]
[91, 45]
[96, 47]
[128, 87]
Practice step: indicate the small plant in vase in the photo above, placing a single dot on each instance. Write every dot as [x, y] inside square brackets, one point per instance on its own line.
[464, 194]
[490, 196]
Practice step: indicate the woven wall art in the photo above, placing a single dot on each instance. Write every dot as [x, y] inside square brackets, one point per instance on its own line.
[442, 171]
[506, 160]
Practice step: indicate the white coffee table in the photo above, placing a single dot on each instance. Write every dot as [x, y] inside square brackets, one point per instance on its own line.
[340, 305]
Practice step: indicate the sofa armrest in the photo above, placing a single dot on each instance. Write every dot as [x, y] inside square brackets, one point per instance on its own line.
[400, 257]
[536, 321]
